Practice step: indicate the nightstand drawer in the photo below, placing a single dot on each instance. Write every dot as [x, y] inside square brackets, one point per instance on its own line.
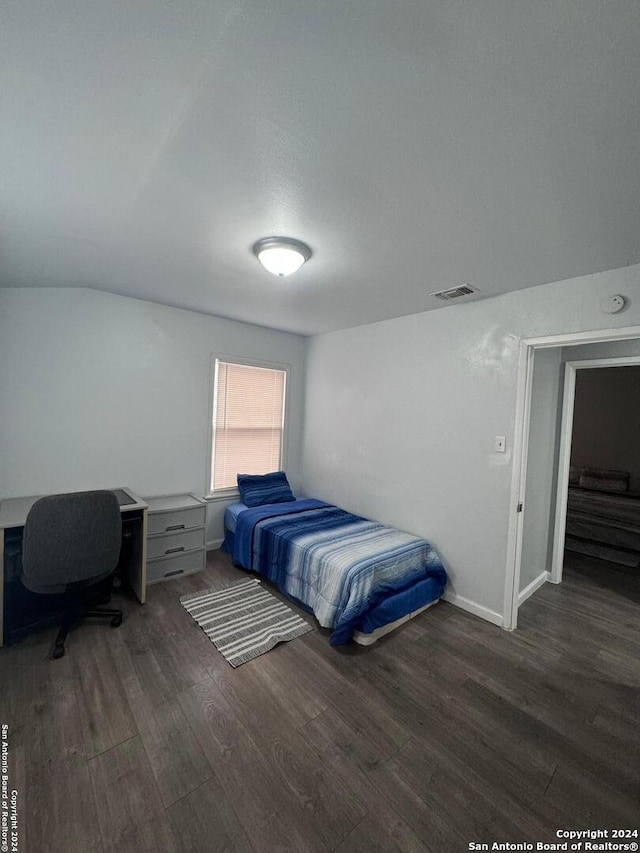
[168, 567]
[166, 544]
[179, 519]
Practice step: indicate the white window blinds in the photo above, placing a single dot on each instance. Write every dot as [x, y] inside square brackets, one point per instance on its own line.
[248, 422]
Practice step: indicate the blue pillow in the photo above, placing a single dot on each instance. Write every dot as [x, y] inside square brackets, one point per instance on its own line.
[259, 489]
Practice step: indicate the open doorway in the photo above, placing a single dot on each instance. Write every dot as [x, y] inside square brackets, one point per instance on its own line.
[597, 529]
[542, 452]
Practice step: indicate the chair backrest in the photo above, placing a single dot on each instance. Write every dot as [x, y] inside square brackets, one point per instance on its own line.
[70, 538]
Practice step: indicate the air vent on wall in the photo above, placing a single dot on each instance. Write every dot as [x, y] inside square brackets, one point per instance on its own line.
[454, 292]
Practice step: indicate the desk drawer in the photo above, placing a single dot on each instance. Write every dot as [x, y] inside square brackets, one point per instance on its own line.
[168, 567]
[166, 544]
[177, 519]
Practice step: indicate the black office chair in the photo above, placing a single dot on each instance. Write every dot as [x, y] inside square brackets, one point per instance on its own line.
[71, 545]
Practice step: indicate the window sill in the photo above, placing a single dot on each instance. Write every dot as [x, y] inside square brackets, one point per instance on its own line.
[231, 495]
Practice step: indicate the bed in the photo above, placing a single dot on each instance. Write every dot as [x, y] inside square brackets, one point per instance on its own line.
[359, 578]
[603, 517]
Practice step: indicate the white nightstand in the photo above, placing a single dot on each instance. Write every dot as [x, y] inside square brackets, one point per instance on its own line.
[175, 536]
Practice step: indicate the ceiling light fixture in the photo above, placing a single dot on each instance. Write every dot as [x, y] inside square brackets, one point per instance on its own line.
[281, 255]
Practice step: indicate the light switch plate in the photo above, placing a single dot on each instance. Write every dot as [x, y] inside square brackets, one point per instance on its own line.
[501, 444]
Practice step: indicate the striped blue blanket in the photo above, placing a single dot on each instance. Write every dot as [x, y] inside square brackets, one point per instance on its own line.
[337, 565]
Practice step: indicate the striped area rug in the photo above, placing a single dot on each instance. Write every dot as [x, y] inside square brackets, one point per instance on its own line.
[243, 620]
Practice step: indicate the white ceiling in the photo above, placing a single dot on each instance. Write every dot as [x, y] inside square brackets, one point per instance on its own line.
[414, 145]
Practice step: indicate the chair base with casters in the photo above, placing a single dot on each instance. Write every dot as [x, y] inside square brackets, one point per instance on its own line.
[33, 613]
[81, 609]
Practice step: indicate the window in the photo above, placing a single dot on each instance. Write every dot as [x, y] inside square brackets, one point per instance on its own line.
[248, 422]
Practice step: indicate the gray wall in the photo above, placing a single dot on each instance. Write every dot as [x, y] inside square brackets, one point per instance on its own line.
[101, 390]
[615, 349]
[606, 423]
[401, 418]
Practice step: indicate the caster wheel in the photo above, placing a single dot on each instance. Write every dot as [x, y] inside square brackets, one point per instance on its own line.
[58, 652]
[116, 621]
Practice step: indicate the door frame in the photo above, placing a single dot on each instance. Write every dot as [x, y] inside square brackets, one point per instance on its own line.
[566, 436]
[524, 385]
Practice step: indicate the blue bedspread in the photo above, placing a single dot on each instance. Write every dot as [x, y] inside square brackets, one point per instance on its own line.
[338, 565]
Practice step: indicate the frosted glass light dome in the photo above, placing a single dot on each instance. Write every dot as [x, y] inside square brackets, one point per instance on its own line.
[281, 255]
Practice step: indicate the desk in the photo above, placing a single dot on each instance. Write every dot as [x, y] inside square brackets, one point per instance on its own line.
[13, 515]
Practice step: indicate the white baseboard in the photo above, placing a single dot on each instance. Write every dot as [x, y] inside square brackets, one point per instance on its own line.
[214, 544]
[535, 584]
[474, 607]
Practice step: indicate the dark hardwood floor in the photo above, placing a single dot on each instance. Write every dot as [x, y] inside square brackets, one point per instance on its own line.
[448, 731]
